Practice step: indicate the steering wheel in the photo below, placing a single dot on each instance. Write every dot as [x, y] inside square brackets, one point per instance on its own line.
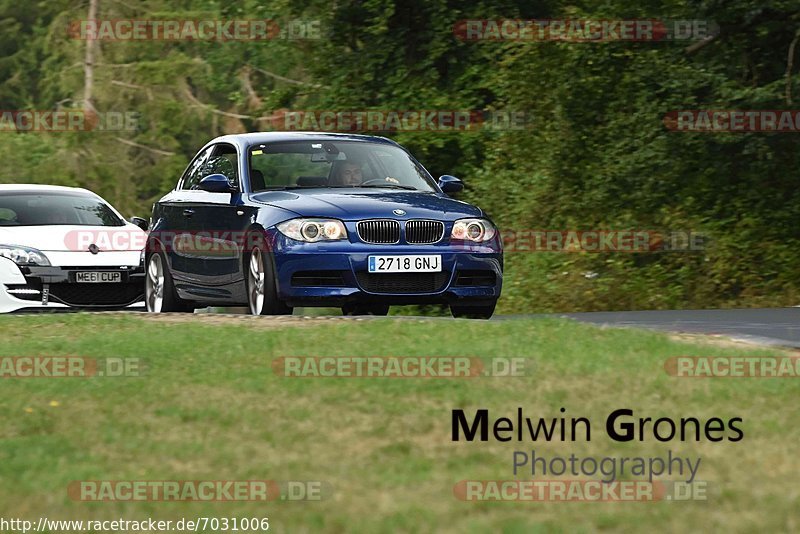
[374, 180]
[378, 180]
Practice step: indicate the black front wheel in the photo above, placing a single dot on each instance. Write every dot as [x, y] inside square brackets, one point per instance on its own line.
[159, 290]
[473, 312]
[262, 291]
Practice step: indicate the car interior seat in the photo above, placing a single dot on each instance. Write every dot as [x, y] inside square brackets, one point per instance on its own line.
[257, 180]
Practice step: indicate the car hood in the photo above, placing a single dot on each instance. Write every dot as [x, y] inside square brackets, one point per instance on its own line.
[353, 204]
[66, 238]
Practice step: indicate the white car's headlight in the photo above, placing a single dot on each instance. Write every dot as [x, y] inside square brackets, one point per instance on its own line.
[24, 255]
[477, 230]
[313, 230]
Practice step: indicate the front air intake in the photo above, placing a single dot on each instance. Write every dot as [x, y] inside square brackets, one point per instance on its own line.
[420, 232]
[379, 231]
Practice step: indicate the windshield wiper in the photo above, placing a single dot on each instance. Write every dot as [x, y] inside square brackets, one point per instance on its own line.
[279, 188]
[391, 186]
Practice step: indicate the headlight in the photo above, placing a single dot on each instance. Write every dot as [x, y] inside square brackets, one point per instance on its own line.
[313, 230]
[23, 255]
[477, 230]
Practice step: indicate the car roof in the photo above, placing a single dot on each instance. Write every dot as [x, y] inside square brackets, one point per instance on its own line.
[257, 138]
[39, 188]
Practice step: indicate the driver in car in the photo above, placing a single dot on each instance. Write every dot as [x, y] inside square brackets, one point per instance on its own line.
[350, 175]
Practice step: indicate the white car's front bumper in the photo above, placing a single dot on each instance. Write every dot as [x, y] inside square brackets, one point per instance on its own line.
[53, 288]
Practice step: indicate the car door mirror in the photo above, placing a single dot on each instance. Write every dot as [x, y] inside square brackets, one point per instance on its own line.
[140, 222]
[216, 183]
[450, 184]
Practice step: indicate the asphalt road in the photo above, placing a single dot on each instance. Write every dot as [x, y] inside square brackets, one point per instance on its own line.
[768, 326]
[771, 326]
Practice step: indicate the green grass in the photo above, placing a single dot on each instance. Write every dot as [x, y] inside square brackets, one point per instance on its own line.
[210, 407]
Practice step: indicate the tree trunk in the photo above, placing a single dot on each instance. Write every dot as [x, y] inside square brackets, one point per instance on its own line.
[88, 64]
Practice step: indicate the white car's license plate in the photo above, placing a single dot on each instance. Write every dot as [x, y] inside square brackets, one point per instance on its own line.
[97, 277]
[405, 264]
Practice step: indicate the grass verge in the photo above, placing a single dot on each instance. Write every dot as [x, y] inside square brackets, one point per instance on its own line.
[211, 408]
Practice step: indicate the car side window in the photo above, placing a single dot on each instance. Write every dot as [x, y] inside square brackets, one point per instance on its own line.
[193, 173]
[223, 160]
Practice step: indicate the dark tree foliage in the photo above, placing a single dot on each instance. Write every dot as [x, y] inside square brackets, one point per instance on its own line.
[596, 154]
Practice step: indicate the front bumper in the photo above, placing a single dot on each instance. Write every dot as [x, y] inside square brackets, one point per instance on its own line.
[335, 274]
[54, 288]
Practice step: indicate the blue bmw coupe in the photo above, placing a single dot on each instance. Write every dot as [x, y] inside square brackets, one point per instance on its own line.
[279, 220]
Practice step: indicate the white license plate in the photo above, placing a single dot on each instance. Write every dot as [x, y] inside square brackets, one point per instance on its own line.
[405, 264]
[95, 277]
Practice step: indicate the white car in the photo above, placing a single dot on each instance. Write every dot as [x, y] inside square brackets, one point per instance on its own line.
[66, 247]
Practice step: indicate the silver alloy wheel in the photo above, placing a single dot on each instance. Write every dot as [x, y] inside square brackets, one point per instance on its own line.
[154, 286]
[255, 282]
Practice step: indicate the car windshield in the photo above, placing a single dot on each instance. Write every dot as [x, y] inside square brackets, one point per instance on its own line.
[345, 164]
[44, 209]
